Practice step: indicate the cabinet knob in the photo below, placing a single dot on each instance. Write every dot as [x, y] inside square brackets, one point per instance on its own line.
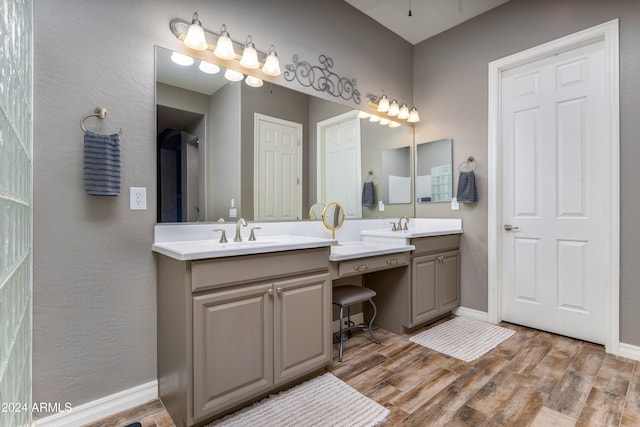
[279, 290]
[270, 292]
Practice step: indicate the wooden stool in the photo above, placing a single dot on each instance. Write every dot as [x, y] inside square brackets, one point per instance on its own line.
[346, 296]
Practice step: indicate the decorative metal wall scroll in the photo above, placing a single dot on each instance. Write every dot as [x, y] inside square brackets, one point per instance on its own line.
[322, 78]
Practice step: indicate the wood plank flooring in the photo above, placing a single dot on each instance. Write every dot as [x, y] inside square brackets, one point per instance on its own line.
[532, 379]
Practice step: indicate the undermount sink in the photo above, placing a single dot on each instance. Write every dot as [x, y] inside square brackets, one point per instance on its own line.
[198, 249]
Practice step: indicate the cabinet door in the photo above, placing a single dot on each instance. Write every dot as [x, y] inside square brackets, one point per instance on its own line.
[449, 276]
[232, 347]
[424, 301]
[302, 325]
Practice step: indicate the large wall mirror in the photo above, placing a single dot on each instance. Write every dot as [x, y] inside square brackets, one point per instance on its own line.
[434, 174]
[227, 150]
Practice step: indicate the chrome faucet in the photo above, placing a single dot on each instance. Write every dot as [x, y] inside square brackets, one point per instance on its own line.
[405, 224]
[240, 222]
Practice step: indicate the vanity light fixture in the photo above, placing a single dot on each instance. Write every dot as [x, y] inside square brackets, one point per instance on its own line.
[394, 124]
[224, 48]
[385, 122]
[271, 65]
[195, 38]
[363, 115]
[181, 59]
[233, 76]
[208, 67]
[414, 117]
[404, 112]
[394, 109]
[383, 104]
[374, 119]
[253, 81]
[249, 55]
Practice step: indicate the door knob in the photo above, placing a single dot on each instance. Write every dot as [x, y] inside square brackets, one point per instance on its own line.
[510, 227]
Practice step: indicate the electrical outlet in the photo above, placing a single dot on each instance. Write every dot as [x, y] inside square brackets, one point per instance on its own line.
[137, 198]
[454, 204]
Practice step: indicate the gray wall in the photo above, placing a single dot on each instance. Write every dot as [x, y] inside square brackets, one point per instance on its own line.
[450, 89]
[94, 272]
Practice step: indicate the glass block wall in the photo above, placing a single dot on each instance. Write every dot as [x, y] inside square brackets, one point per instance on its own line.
[15, 211]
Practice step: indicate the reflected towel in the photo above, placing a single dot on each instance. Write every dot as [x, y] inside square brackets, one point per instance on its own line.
[467, 192]
[101, 164]
[369, 194]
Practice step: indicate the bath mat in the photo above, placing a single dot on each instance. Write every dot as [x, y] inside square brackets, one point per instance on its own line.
[463, 338]
[322, 401]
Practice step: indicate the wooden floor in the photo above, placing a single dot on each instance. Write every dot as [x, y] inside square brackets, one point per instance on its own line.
[533, 378]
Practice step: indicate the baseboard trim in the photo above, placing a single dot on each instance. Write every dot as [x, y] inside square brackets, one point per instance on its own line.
[471, 313]
[356, 318]
[104, 407]
[629, 351]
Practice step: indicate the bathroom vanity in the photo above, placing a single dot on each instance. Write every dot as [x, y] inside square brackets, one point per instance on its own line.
[232, 328]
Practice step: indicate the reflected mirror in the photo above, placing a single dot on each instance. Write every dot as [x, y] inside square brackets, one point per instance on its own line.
[333, 217]
[434, 174]
[216, 157]
[396, 175]
[316, 210]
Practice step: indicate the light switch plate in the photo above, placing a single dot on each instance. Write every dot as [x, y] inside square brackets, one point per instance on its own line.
[137, 198]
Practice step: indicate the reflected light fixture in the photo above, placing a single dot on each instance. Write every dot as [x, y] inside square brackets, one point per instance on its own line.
[394, 109]
[394, 124]
[208, 67]
[233, 76]
[385, 122]
[249, 55]
[271, 65]
[414, 117]
[195, 35]
[181, 59]
[363, 115]
[404, 112]
[224, 48]
[383, 104]
[374, 119]
[253, 81]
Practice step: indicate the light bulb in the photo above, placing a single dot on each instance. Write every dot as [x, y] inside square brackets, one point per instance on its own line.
[233, 76]
[271, 65]
[383, 104]
[394, 109]
[208, 67]
[224, 48]
[414, 117]
[195, 35]
[181, 59]
[249, 56]
[404, 112]
[253, 81]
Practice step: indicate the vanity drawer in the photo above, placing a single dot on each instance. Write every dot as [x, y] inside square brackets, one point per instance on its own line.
[375, 263]
[212, 273]
[425, 245]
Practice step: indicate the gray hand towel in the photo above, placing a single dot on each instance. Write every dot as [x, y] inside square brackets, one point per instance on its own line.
[101, 164]
[467, 192]
[369, 194]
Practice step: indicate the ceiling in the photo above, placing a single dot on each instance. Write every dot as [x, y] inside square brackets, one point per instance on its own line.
[428, 17]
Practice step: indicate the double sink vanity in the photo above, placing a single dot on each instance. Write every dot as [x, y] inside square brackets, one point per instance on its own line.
[239, 320]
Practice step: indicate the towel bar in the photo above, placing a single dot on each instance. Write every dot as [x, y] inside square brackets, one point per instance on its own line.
[100, 113]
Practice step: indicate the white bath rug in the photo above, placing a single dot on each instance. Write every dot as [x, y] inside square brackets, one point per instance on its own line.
[322, 401]
[463, 338]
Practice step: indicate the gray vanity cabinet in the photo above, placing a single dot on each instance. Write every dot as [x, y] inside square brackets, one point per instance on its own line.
[435, 285]
[231, 330]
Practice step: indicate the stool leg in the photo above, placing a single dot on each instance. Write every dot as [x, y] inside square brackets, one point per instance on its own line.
[349, 323]
[370, 328]
[341, 337]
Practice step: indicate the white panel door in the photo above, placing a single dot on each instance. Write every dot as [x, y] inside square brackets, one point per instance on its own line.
[277, 169]
[339, 177]
[555, 177]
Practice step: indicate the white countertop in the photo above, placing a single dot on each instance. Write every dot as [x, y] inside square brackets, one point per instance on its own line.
[200, 249]
[360, 249]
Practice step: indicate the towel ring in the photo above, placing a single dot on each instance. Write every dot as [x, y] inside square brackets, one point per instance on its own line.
[100, 113]
[470, 163]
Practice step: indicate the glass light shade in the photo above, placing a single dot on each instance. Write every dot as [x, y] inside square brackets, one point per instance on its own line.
[249, 56]
[414, 117]
[271, 65]
[394, 109]
[383, 104]
[181, 59]
[233, 76]
[385, 122]
[404, 112]
[374, 119]
[363, 115]
[208, 67]
[195, 35]
[253, 81]
[224, 48]
[394, 124]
